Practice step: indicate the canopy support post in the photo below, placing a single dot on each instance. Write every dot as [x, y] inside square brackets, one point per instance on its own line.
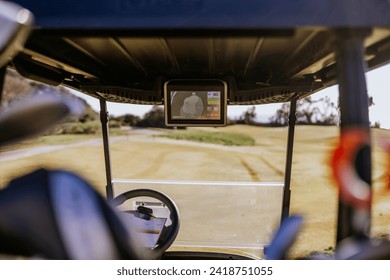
[104, 118]
[2, 77]
[289, 156]
[354, 104]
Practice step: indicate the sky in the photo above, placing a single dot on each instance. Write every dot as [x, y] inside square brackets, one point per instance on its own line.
[378, 86]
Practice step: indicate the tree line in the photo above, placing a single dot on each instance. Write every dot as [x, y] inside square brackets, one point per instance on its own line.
[309, 111]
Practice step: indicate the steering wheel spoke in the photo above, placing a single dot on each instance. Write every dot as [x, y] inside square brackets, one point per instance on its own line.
[171, 230]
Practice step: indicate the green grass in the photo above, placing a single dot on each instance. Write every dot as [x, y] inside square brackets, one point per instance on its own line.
[221, 138]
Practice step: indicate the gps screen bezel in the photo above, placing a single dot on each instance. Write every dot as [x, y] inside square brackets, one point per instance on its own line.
[209, 85]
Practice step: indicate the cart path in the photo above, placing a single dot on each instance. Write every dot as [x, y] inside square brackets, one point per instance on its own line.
[252, 173]
[245, 156]
[33, 151]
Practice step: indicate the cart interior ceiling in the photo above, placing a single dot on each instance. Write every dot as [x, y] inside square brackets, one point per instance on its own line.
[132, 50]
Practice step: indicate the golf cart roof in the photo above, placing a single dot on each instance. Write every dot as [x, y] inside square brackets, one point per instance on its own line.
[267, 51]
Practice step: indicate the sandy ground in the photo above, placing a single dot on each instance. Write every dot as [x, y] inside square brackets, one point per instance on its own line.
[142, 155]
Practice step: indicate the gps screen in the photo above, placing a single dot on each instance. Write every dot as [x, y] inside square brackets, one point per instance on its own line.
[195, 105]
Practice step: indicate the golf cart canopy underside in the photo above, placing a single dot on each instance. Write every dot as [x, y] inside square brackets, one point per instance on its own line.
[267, 51]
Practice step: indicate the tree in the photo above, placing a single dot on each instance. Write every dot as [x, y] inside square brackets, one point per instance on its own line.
[15, 88]
[281, 116]
[153, 118]
[376, 124]
[249, 116]
[309, 111]
[127, 120]
[130, 120]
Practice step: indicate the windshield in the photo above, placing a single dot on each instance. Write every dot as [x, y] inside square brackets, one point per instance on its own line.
[228, 217]
[229, 196]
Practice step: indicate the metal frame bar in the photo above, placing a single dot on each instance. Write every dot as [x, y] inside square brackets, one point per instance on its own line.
[104, 118]
[2, 77]
[351, 68]
[289, 156]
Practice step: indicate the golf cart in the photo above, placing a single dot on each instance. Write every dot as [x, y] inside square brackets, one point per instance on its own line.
[197, 58]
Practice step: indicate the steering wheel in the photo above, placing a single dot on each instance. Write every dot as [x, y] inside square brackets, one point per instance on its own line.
[171, 231]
